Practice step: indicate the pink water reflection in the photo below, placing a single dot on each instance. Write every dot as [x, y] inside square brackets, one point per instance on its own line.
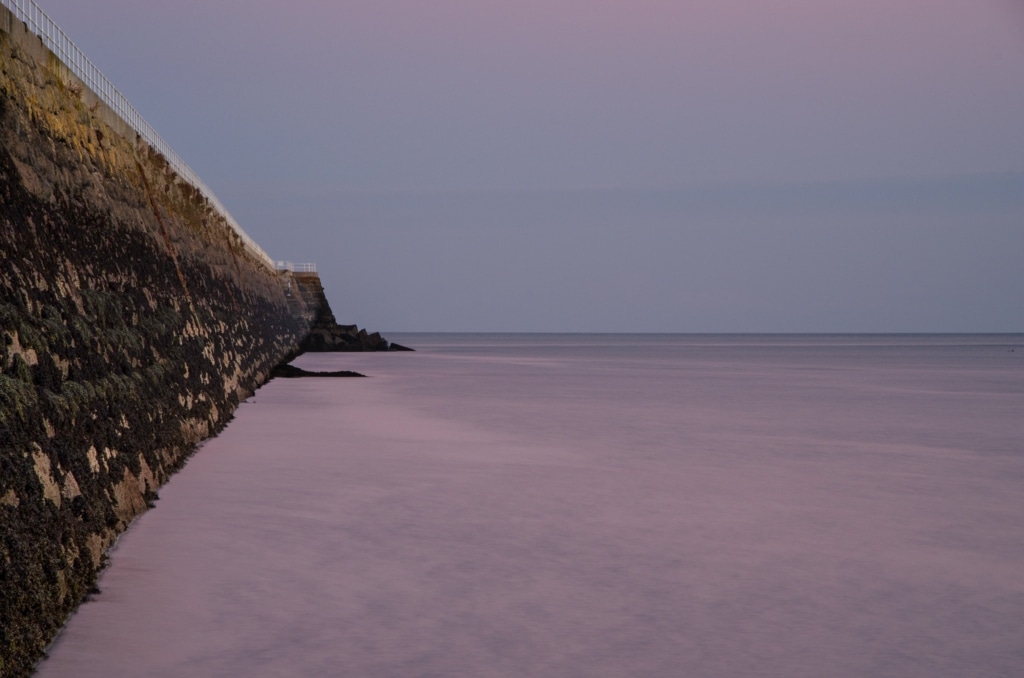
[597, 510]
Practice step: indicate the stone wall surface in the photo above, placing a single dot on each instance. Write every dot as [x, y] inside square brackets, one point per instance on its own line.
[132, 323]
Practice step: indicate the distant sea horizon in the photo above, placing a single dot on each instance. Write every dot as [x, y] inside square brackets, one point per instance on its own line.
[698, 334]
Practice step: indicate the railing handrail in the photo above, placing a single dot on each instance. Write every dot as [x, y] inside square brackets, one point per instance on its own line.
[296, 268]
[75, 60]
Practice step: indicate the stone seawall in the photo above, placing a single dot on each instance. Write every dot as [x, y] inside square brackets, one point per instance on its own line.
[132, 323]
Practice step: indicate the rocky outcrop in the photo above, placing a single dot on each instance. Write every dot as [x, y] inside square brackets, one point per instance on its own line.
[133, 321]
[326, 334]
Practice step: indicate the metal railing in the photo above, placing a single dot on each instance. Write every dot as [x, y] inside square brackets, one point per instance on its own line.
[296, 268]
[71, 56]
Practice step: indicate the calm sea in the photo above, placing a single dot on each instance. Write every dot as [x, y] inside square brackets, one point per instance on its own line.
[591, 505]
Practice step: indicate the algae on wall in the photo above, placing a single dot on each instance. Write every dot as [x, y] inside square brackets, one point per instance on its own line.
[132, 323]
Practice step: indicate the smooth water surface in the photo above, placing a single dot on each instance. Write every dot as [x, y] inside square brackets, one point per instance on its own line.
[589, 505]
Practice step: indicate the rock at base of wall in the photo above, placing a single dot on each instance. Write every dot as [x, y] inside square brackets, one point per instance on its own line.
[343, 338]
[326, 335]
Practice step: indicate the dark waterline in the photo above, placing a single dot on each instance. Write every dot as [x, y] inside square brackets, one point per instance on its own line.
[588, 505]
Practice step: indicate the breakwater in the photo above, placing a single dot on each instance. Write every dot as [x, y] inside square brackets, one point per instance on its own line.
[134, 317]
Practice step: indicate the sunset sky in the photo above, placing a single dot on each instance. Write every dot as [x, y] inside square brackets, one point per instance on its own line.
[600, 165]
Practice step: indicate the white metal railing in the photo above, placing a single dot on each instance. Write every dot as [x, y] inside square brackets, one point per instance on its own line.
[296, 268]
[71, 56]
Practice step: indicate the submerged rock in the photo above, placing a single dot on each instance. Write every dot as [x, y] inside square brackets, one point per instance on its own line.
[292, 372]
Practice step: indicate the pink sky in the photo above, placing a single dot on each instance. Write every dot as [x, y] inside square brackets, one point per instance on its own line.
[569, 93]
[287, 108]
